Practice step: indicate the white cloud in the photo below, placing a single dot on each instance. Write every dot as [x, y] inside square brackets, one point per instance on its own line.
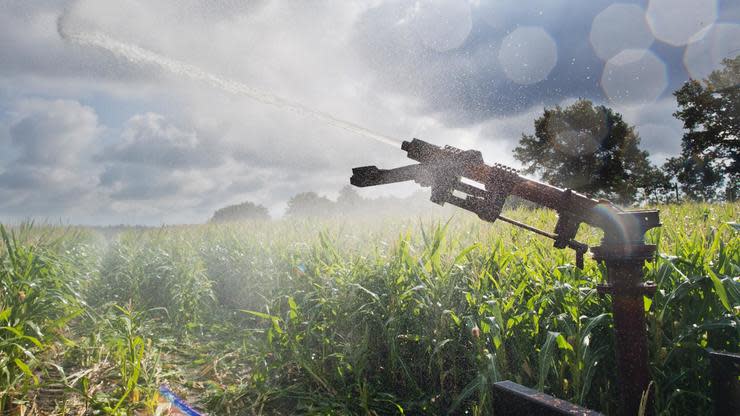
[51, 141]
[52, 132]
[659, 131]
[149, 139]
[174, 148]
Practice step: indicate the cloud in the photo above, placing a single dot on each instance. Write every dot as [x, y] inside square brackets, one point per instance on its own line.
[154, 159]
[660, 132]
[150, 140]
[131, 141]
[513, 58]
[52, 132]
[50, 141]
[32, 51]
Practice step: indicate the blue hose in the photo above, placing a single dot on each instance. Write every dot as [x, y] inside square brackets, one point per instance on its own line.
[178, 402]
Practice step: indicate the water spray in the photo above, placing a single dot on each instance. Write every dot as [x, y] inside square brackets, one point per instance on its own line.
[623, 251]
[137, 54]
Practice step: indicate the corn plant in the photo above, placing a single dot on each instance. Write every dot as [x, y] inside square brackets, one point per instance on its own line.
[132, 357]
[345, 316]
[155, 271]
[427, 324]
[37, 300]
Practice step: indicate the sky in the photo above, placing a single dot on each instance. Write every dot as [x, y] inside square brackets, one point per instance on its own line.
[142, 112]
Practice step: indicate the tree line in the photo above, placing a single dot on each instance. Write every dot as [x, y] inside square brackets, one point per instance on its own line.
[591, 149]
[313, 205]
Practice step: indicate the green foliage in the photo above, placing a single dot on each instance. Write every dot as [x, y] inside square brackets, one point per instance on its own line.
[698, 176]
[243, 271]
[587, 148]
[241, 212]
[697, 305]
[427, 325]
[37, 299]
[117, 367]
[309, 204]
[427, 329]
[129, 349]
[155, 270]
[710, 156]
[325, 317]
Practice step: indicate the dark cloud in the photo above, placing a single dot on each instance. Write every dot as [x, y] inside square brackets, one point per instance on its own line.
[52, 133]
[152, 143]
[137, 183]
[470, 84]
[20, 178]
[50, 140]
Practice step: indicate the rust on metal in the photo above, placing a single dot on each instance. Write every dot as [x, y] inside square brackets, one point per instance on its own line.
[725, 376]
[622, 250]
[512, 399]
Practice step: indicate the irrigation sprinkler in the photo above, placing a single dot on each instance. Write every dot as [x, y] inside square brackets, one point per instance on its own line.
[623, 249]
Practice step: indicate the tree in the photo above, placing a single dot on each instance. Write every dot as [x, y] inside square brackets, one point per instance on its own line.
[658, 187]
[244, 211]
[588, 149]
[309, 204]
[710, 147]
[698, 176]
[349, 199]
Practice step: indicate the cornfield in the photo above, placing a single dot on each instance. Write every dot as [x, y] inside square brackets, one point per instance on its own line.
[385, 316]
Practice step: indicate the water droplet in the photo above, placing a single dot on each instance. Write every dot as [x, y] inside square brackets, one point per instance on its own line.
[676, 21]
[609, 35]
[709, 47]
[527, 55]
[622, 86]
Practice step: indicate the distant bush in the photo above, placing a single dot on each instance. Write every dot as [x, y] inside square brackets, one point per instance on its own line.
[244, 211]
[309, 204]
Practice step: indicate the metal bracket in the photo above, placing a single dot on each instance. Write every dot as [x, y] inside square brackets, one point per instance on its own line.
[725, 371]
[512, 399]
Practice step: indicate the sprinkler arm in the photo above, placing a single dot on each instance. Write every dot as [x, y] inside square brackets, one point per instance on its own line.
[623, 250]
[443, 168]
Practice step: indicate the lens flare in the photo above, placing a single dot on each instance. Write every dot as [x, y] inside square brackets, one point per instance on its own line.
[634, 77]
[619, 27]
[441, 25]
[578, 137]
[528, 54]
[709, 47]
[676, 21]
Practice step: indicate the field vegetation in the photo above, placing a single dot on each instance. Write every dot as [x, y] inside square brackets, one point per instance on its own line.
[349, 316]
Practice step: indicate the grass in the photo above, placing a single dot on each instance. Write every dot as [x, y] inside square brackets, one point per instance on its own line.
[392, 316]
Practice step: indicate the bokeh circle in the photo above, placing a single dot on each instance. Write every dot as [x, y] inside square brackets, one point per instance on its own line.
[676, 21]
[709, 47]
[441, 25]
[634, 77]
[528, 54]
[619, 27]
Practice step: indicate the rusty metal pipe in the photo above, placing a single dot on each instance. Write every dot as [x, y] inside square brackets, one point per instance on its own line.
[624, 266]
[622, 249]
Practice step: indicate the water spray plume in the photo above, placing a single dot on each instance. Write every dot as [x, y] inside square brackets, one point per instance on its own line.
[137, 54]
